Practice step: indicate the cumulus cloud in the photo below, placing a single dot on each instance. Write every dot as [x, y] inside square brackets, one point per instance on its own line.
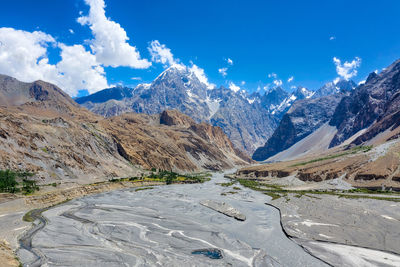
[79, 69]
[234, 87]
[110, 43]
[71, 31]
[291, 78]
[243, 83]
[347, 69]
[272, 75]
[278, 82]
[23, 55]
[161, 54]
[223, 71]
[229, 61]
[136, 78]
[332, 38]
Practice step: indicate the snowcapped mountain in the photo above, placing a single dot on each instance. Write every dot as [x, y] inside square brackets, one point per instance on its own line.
[278, 101]
[248, 119]
[335, 87]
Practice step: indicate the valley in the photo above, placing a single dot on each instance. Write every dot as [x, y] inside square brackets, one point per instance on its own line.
[199, 133]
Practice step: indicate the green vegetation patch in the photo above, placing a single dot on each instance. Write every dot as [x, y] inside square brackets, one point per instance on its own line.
[349, 152]
[276, 191]
[17, 181]
[167, 177]
[143, 188]
[30, 215]
[272, 194]
[226, 184]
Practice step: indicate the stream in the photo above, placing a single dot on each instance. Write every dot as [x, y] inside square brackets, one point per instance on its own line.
[163, 226]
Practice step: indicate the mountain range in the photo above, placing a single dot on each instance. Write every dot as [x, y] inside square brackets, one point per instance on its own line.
[350, 116]
[44, 131]
[248, 119]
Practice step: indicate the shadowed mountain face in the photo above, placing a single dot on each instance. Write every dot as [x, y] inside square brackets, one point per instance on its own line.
[304, 117]
[43, 130]
[375, 102]
[116, 93]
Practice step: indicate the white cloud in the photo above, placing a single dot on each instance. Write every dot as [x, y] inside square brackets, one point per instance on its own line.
[23, 55]
[199, 72]
[79, 69]
[71, 31]
[110, 43]
[243, 83]
[229, 61]
[272, 75]
[278, 82]
[161, 54]
[293, 87]
[291, 78]
[223, 71]
[347, 69]
[332, 38]
[234, 87]
[136, 78]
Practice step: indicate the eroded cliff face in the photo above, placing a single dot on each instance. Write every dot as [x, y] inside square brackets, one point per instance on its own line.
[182, 144]
[362, 167]
[46, 132]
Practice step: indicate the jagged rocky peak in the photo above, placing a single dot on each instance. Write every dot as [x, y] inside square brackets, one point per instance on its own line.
[302, 93]
[274, 97]
[370, 103]
[278, 101]
[182, 77]
[334, 87]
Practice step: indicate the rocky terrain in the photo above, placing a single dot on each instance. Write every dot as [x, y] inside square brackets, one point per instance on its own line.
[374, 106]
[302, 119]
[365, 166]
[247, 119]
[358, 115]
[172, 141]
[44, 131]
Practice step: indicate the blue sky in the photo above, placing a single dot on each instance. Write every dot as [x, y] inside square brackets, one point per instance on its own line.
[288, 38]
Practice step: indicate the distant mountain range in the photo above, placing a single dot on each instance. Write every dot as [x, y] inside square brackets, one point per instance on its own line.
[248, 119]
[43, 130]
[353, 116]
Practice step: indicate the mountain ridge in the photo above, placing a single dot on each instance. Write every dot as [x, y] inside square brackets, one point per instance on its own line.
[46, 132]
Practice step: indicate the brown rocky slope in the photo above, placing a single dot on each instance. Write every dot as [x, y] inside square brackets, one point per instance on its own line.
[43, 130]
